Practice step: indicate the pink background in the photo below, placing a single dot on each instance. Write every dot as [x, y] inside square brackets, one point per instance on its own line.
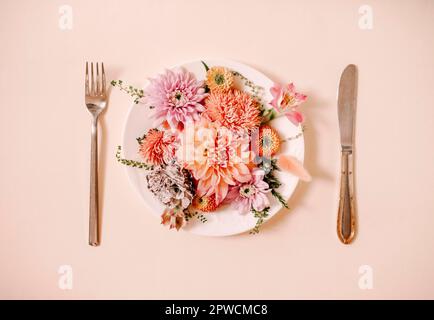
[45, 138]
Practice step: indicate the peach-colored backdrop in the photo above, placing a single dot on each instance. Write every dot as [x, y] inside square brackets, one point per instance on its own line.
[45, 135]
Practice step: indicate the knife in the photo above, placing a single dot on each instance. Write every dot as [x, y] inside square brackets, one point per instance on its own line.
[347, 98]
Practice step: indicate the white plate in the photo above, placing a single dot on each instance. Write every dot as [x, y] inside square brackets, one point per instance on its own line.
[225, 221]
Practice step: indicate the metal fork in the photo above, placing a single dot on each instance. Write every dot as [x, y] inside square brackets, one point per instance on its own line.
[96, 101]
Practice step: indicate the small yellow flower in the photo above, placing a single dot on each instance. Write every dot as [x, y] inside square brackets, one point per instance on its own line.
[219, 78]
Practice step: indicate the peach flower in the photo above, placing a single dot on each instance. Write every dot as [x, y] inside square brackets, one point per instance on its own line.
[216, 157]
[157, 147]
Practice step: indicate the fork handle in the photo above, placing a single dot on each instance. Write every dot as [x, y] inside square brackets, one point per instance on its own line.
[94, 235]
[347, 212]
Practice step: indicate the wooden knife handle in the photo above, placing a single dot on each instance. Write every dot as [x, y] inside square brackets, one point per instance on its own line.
[347, 211]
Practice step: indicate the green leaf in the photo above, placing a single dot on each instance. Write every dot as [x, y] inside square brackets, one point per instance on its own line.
[205, 65]
[279, 197]
[273, 182]
[135, 93]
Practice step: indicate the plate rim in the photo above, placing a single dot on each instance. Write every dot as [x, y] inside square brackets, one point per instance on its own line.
[128, 170]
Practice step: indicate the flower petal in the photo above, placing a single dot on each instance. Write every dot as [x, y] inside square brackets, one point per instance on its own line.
[294, 166]
[260, 202]
[221, 192]
[258, 175]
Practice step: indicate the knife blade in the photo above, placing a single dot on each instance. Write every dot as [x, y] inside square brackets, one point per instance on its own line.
[347, 100]
[347, 104]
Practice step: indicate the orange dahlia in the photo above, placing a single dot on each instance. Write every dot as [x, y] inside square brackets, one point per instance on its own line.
[216, 158]
[157, 147]
[234, 109]
[269, 141]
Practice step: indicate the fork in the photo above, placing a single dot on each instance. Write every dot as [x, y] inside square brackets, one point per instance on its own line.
[96, 101]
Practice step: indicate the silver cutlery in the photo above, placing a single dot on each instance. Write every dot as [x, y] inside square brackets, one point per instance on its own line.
[96, 101]
[347, 98]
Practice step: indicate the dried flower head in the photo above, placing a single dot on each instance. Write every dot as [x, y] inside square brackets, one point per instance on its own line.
[171, 184]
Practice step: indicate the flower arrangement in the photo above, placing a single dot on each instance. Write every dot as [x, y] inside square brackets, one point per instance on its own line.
[212, 144]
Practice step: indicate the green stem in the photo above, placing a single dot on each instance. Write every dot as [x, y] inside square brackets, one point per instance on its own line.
[137, 94]
[131, 163]
[260, 216]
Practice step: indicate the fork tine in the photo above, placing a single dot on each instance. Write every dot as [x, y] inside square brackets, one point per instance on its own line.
[92, 82]
[98, 80]
[103, 78]
[86, 86]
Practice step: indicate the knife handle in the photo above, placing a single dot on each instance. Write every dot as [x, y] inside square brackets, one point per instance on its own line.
[347, 211]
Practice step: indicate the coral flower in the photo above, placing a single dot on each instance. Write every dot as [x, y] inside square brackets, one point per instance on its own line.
[234, 109]
[217, 159]
[286, 100]
[219, 78]
[250, 195]
[205, 204]
[176, 97]
[267, 143]
[158, 147]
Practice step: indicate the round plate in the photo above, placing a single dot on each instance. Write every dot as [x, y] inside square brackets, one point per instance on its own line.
[225, 221]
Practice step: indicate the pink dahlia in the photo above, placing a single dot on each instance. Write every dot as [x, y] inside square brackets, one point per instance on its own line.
[252, 194]
[158, 147]
[286, 100]
[176, 97]
[233, 109]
